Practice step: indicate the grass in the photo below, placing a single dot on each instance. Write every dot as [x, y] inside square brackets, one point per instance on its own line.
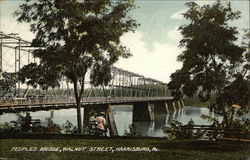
[168, 150]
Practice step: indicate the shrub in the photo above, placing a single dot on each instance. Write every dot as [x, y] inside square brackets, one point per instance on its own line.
[132, 131]
[179, 131]
[68, 128]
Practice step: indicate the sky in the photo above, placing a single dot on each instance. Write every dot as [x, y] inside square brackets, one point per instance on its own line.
[154, 44]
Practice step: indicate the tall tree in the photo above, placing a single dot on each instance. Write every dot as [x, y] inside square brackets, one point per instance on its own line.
[78, 36]
[212, 60]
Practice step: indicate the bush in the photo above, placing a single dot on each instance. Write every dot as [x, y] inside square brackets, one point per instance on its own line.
[179, 131]
[239, 128]
[6, 127]
[68, 128]
[50, 127]
[132, 131]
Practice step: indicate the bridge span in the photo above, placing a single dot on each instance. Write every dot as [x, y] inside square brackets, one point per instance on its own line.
[147, 95]
[144, 108]
[28, 104]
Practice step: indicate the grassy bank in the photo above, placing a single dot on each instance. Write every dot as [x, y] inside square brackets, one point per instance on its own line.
[156, 149]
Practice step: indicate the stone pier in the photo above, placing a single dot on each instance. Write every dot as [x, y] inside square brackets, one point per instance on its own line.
[182, 103]
[111, 121]
[177, 105]
[161, 107]
[171, 106]
[143, 111]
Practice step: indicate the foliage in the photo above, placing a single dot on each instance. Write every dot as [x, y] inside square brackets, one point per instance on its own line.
[239, 128]
[212, 61]
[216, 127]
[246, 44]
[35, 75]
[20, 125]
[50, 127]
[179, 131]
[7, 83]
[132, 131]
[6, 127]
[195, 101]
[68, 128]
[243, 125]
[77, 36]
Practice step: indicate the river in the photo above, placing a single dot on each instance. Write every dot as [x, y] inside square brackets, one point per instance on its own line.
[123, 118]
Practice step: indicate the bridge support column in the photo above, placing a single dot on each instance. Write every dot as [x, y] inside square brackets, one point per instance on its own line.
[160, 107]
[143, 111]
[171, 106]
[177, 105]
[111, 121]
[86, 116]
[182, 104]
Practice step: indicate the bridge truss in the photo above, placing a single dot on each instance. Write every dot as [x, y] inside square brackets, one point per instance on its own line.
[16, 52]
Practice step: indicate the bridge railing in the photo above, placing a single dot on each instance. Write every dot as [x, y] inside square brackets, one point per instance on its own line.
[56, 100]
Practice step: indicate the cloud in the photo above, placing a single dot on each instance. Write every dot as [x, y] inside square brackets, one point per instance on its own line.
[178, 15]
[205, 2]
[10, 25]
[174, 35]
[157, 64]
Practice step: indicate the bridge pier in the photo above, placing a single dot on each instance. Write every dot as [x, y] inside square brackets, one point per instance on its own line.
[182, 104]
[160, 120]
[86, 116]
[171, 106]
[111, 121]
[143, 111]
[161, 107]
[177, 105]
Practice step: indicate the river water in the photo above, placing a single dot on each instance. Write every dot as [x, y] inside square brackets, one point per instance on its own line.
[123, 118]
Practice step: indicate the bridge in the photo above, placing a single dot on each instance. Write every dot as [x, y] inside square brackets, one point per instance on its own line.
[148, 96]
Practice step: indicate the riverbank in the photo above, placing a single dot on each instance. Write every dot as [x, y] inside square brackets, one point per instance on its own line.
[118, 148]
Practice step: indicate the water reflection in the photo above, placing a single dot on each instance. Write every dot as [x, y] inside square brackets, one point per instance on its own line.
[191, 111]
[145, 128]
[160, 120]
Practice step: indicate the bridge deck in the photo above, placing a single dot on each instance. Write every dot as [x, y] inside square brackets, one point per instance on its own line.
[27, 105]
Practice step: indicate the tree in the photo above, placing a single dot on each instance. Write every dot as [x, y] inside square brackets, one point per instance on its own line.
[78, 36]
[34, 75]
[7, 83]
[246, 43]
[212, 60]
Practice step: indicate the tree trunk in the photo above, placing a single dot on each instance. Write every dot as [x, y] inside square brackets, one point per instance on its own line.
[78, 96]
[219, 89]
[79, 119]
[78, 107]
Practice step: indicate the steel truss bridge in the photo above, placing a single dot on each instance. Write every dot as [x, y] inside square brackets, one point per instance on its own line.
[125, 86]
